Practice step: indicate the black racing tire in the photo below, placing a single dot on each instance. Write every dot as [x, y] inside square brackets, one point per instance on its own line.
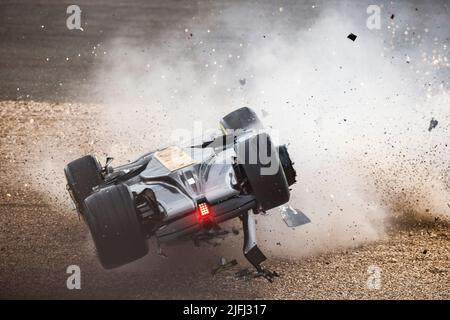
[82, 175]
[264, 175]
[241, 119]
[114, 225]
[287, 164]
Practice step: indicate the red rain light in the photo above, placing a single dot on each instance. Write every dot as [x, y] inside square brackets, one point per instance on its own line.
[203, 211]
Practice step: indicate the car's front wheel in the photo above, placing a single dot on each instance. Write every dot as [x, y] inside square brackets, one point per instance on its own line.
[82, 175]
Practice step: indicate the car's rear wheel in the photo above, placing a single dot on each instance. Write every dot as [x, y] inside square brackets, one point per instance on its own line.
[82, 175]
[241, 119]
[114, 225]
[262, 167]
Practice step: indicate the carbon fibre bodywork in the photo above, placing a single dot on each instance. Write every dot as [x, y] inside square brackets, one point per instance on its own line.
[234, 172]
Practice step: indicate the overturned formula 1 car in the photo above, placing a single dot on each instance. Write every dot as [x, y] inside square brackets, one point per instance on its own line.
[183, 193]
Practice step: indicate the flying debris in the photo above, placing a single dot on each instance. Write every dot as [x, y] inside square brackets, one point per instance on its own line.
[293, 217]
[247, 274]
[352, 36]
[433, 124]
[224, 265]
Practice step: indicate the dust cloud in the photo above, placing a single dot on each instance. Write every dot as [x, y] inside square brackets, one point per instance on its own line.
[354, 114]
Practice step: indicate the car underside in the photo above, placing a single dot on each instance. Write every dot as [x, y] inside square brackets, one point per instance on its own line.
[183, 193]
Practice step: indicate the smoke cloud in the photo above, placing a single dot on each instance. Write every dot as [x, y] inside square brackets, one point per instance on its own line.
[354, 114]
